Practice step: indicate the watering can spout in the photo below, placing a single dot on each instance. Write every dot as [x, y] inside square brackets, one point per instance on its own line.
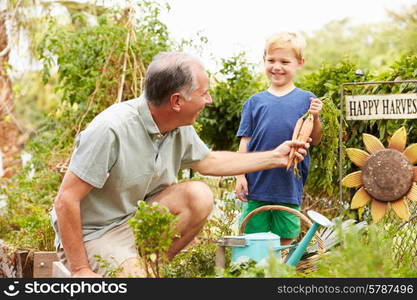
[319, 220]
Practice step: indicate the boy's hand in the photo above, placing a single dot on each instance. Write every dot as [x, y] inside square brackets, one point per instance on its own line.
[241, 188]
[315, 107]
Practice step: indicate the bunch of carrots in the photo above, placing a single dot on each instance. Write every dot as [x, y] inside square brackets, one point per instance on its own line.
[302, 131]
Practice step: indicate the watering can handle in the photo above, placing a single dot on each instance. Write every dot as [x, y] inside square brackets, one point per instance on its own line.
[303, 218]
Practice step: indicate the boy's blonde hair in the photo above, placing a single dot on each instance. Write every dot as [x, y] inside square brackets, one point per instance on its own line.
[290, 40]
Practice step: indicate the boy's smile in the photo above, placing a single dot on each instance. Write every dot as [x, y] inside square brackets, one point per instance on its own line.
[281, 66]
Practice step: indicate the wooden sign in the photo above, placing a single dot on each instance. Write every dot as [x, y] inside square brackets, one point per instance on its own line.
[377, 107]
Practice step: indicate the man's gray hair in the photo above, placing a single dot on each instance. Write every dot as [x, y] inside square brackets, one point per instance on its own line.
[169, 73]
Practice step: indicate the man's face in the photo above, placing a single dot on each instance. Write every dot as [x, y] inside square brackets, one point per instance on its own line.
[199, 98]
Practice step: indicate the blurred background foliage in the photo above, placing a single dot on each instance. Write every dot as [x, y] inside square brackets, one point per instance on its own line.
[99, 56]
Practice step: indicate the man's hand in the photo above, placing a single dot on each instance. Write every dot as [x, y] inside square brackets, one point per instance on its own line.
[283, 151]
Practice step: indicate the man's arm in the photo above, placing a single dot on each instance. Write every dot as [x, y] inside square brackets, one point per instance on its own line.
[225, 163]
[67, 207]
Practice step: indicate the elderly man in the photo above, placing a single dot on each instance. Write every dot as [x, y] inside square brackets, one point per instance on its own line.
[133, 151]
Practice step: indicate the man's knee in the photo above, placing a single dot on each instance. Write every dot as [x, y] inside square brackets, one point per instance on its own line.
[201, 196]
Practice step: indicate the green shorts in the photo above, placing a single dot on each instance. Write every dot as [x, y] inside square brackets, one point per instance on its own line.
[282, 223]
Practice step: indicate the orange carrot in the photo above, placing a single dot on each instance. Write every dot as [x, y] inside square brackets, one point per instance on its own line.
[306, 129]
[304, 135]
[295, 133]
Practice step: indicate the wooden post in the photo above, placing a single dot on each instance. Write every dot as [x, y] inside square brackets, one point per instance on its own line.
[24, 268]
[220, 256]
[42, 264]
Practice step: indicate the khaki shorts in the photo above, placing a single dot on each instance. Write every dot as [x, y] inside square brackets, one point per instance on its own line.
[114, 247]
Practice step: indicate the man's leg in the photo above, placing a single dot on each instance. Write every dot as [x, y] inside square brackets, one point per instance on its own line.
[117, 248]
[192, 203]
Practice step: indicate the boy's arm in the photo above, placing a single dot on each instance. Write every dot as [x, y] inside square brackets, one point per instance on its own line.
[316, 134]
[241, 188]
[315, 109]
[243, 146]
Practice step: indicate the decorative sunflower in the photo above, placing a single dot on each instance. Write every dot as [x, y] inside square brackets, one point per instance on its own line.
[386, 175]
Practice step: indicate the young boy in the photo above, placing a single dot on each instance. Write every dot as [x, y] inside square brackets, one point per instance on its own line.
[268, 119]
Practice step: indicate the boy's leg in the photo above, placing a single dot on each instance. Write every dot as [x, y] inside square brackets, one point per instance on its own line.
[260, 222]
[285, 224]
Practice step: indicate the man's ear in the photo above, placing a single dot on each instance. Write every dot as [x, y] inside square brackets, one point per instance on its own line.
[301, 62]
[175, 101]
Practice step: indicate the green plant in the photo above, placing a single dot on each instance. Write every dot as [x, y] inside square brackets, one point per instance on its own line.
[244, 269]
[110, 270]
[154, 229]
[25, 223]
[368, 253]
[198, 259]
[194, 262]
[326, 83]
[98, 65]
[270, 268]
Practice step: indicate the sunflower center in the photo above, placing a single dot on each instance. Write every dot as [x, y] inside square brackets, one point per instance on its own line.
[387, 175]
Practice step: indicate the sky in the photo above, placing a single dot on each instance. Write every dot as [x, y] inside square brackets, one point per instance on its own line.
[232, 26]
[235, 25]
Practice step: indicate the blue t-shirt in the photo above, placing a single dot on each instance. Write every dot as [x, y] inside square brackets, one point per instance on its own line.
[269, 120]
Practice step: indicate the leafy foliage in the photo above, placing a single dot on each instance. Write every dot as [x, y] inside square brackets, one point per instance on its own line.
[327, 83]
[372, 46]
[365, 254]
[194, 262]
[368, 252]
[98, 65]
[154, 229]
[198, 260]
[234, 84]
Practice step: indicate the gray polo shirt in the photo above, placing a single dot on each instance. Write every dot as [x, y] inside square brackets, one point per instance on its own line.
[126, 159]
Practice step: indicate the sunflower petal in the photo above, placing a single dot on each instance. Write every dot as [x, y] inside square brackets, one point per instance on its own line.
[353, 179]
[411, 153]
[398, 140]
[360, 199]
[357, 156]
[360, 212]
[412, 194]
[400, 207]
[372, 143]
[378, 210]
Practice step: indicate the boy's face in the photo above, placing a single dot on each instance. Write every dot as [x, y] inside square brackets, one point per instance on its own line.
[281, 66]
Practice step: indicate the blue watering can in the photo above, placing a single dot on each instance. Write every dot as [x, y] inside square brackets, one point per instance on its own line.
[258, 246]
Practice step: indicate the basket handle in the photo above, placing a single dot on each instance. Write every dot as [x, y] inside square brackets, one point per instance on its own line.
[293, 211]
